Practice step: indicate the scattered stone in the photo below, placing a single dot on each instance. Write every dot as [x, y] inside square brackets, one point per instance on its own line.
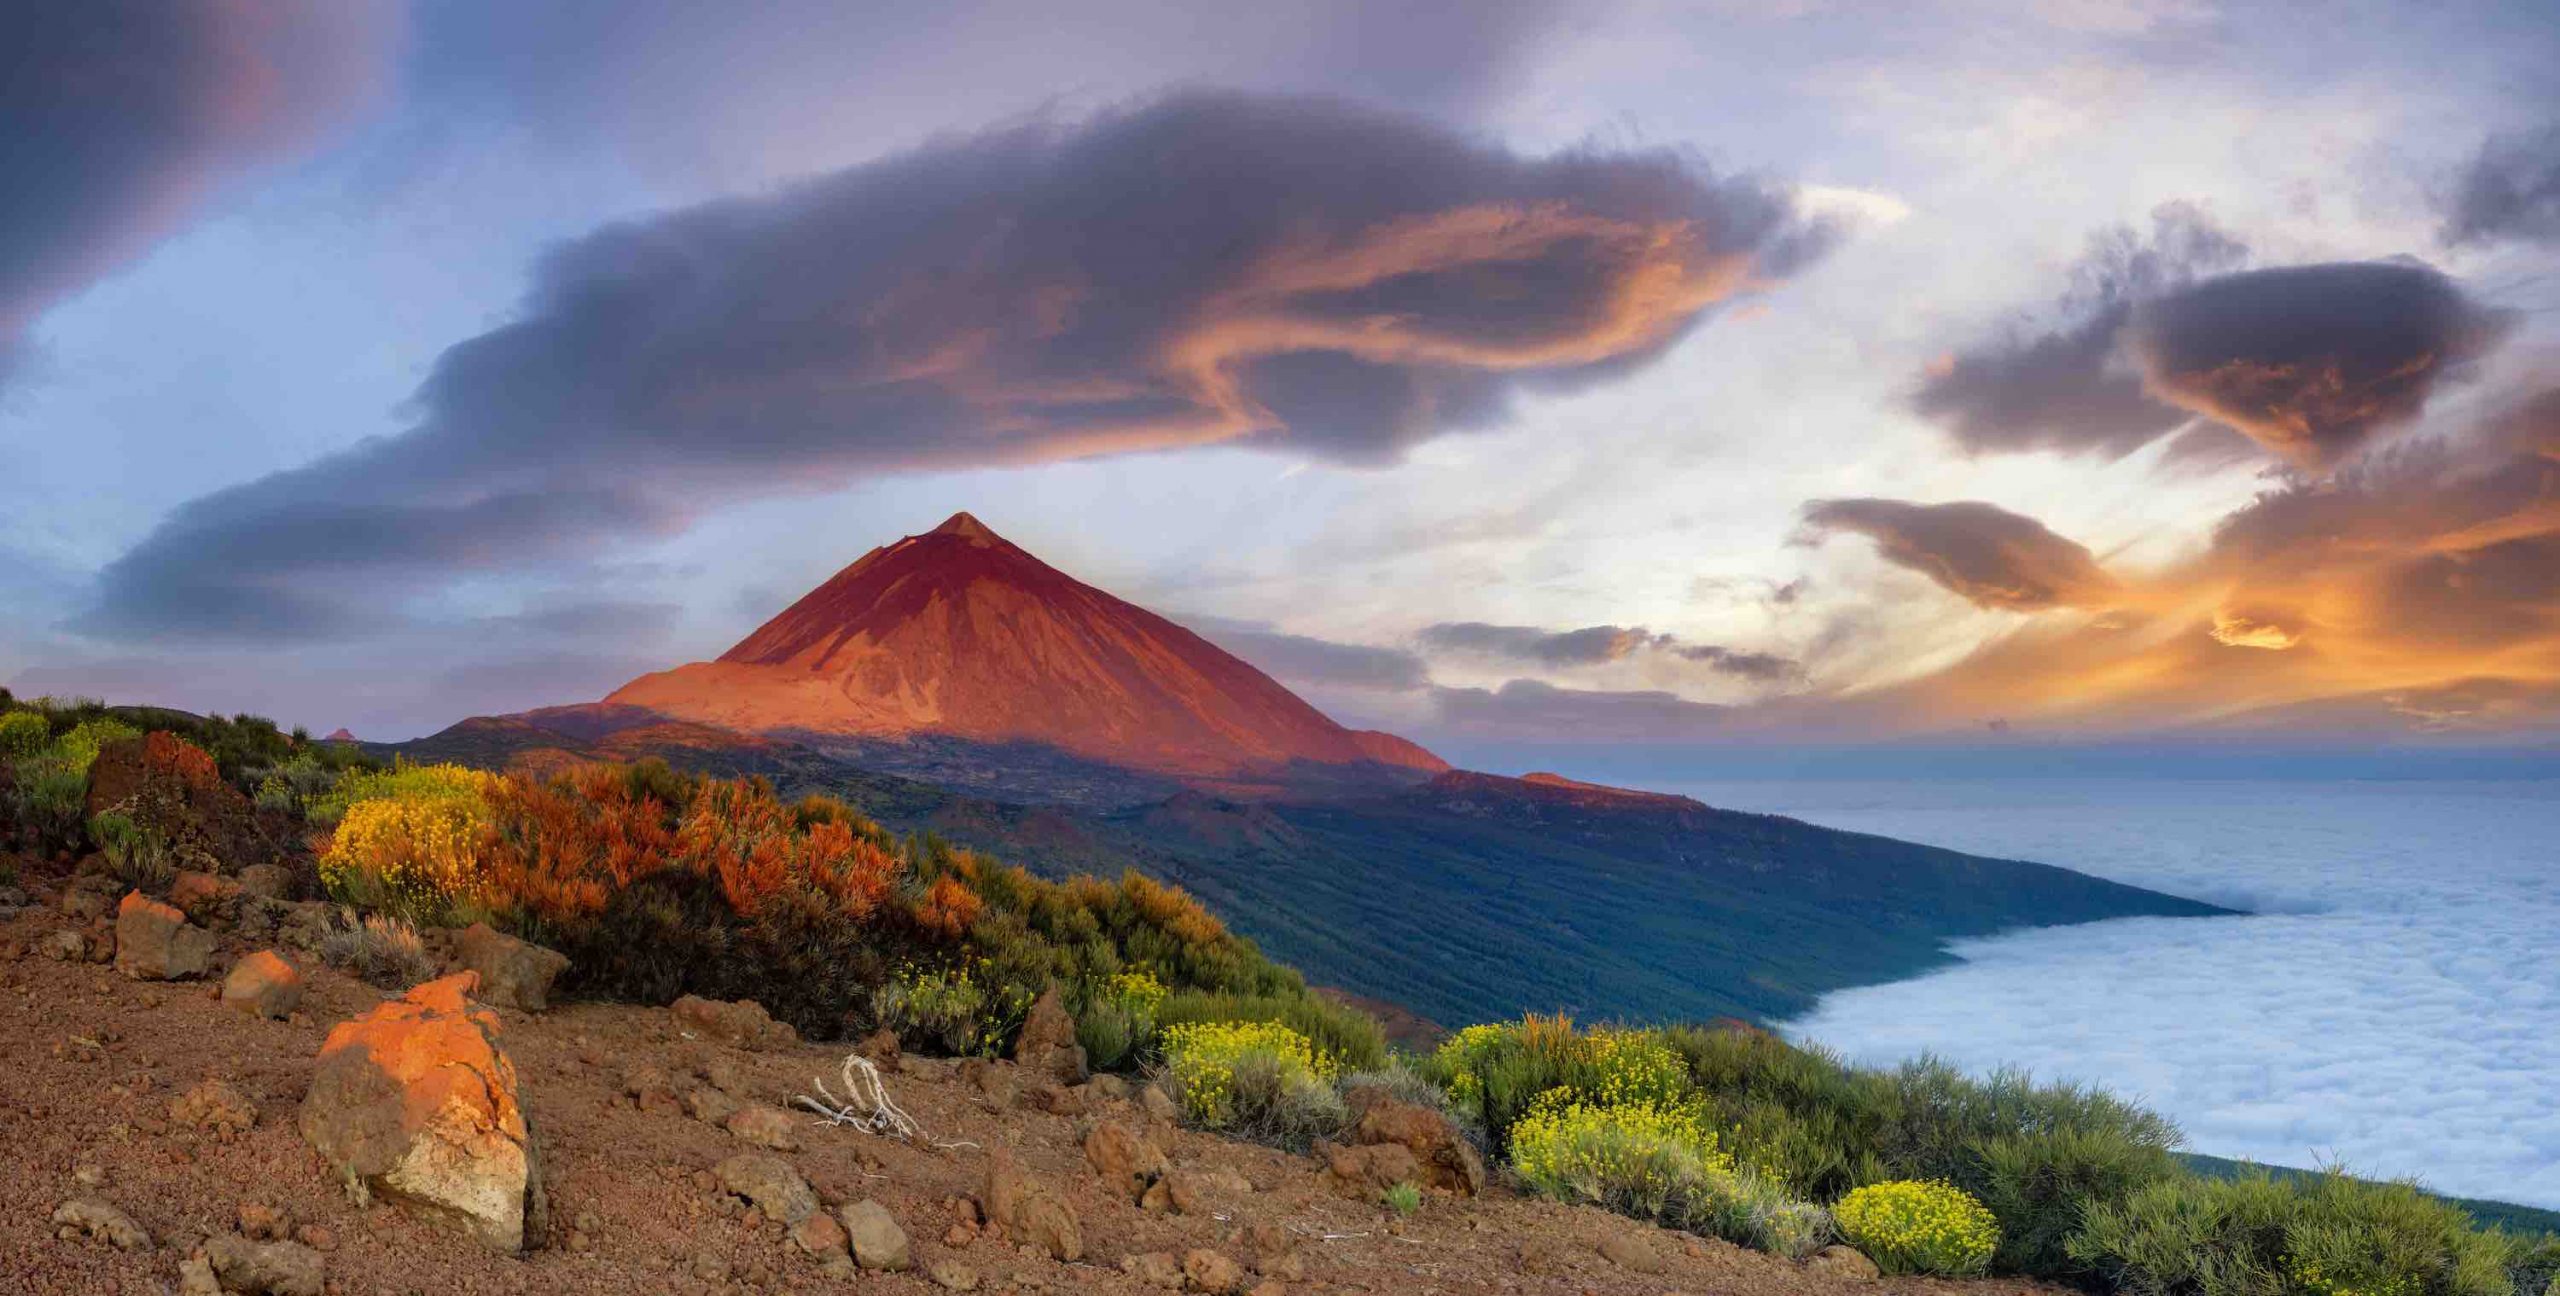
[264, 1268]
[742, 1024]
[710, 1105]
[65, 946]
[267, 881]
[1047, 1044]
[1364, 1172]
[881, 1046]
[819, 1235]
[263, 1223]
[1270, 1287]
[513, 973]
[318, 1237]
[1058, 1099]
[993, 1080]
[878, 1242]
[1839, 1261]
[154, 942]
[770, 1183]
[768, 1127]
[89, 1176]
[1448, 1160]
[1154, 1269]
[951, 1275]
[1159, 1104]
[1627, 1253]
[1127, 1161]
[1211, 1271]
[85, 903]
[217, 1107]
[1287, 1266]
[100, 1222]
[195, 1277]
[416, 1101]
[1177, 1192]
[1540, 1256]
[648, 1087]
[1029, 1213]
[1106, 1087]
[263, 985]
[724, 1074]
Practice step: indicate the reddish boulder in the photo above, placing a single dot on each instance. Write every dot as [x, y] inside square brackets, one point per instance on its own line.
[263, 985]
[513, 973]
[742, 1024]
[155, 943]
[1047, 1046]
[415, 1101]
[1447, 1159]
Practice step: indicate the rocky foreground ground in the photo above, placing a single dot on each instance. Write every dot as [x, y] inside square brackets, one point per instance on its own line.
[166, 1136]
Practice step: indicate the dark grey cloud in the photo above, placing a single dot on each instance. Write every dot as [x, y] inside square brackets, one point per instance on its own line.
[2311, 361]
[1596, 646]
[658, 81]
[122, 115]
[2510, 191]
[1304, 659]
[1295, 275]
[1988, 555]
[2061, 383]
[626, 620]
[1526, 710]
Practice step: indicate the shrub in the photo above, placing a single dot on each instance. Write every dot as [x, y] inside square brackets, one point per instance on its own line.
[49, 797]
[1647, 1160]
[1255, 1078]
[383, 951]
[401, 782]
[944, 1009]
[1403, 1199]
[23, 733]
[1758, 1212]
[1343, 1037]
[412, 849]
[1117, 1018]
[1912, 1227]
[2319, 1235]
[78, 748]
[138, 855]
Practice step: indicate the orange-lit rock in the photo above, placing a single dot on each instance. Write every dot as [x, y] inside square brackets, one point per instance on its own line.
[416, 1102]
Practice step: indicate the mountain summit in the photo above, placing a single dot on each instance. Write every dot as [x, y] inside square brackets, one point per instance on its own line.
[959, 633]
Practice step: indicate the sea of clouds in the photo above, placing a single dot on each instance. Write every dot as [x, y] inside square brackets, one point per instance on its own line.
[2392, 1002]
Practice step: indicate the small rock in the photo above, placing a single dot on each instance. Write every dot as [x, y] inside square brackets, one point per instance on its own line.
[215, 1106]
[65, 946]
[265, 1268]
[1270, 1287]
[1629, 1254]
[1448, 1160]
[881, 1046]
[994, 1081]
[202, 897]
[1128, 1163]
[710, 1105]
[101, 1222]
[1211, 1271]
[1027, 1210]
[195, 1277]
[878, 1242]
[1154, 1269]
[263, 985]
[513, 973]
[1364, 1172]
[154, 942]
[742, 1024]
[267, 881]
[264, 1223]
[770, 1183]
[318, 1237]
[819, 1235]
[89, 1176]
[1106, 1087]
[1047, 1044]
[1840, 1261]
[1159, 1104]
[951, 1275]
[1287, 1266]
[768, 1127]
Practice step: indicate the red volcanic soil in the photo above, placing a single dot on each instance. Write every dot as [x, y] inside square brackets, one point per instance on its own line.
[958, 632]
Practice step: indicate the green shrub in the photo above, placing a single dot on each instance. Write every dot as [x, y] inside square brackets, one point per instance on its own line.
[78, 749]
[1255, 1079]
[50, 797]
[380, 950]
[1404, 1198]
[2319, 1235]
[1759, 1212]
[1116, 1017]
[1346, 1038]
[1648, 1160]
[23, 733]
[138, 856]
[1913, 1227]
[950, 1010]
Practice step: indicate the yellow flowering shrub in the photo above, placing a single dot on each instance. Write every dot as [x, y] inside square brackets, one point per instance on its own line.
[1204, 1059]
[1138, 991]
[403, 781]
[414, 847]
[1911, 1226]
[1646, 1159]
[1632, 1068]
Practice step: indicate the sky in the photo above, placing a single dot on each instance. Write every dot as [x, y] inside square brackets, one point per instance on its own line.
[1617, 377]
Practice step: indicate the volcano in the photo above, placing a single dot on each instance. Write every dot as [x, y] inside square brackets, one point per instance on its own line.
[959, 633]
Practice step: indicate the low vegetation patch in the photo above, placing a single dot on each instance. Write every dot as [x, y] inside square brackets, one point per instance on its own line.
[1910, 1227]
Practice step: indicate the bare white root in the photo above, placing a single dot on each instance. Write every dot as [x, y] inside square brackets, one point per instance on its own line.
[866, 1105]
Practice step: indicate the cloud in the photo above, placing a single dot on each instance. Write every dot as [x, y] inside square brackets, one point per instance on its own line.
[1596, 646]
[1303, 659]
[2062, 384]
[1527, 710]
[2310, 361]
[2441, 926]
[1300, 276]
[2511, 190]
[1988, 555]
[125, 115]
